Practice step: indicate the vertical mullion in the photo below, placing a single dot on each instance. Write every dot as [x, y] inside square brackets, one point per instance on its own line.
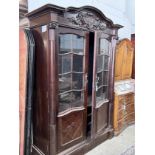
[102, 73]
[85, 70]
[93, 128]
[104, 76]
[61, 64]
[71, 71]
[109, 45]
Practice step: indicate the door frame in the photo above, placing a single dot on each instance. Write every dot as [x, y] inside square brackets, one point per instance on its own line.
[94, 133]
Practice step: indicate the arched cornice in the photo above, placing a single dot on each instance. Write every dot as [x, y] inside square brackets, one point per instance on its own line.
[98, 14]
[88, 17]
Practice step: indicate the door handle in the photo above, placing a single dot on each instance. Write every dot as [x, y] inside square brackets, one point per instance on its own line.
[86, 79]
[96, 83]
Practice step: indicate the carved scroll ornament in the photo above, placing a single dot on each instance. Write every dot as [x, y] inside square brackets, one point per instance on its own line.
[88, 20]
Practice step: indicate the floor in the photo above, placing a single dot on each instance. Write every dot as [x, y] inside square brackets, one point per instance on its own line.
[122, 144]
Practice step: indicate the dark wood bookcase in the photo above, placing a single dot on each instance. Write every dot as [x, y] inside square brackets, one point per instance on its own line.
[74, 79]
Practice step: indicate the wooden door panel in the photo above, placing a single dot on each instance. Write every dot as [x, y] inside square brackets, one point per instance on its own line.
[70, 128]
[102, 117]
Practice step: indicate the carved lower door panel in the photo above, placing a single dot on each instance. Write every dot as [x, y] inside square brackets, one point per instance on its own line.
[70, 129]
[102, 118]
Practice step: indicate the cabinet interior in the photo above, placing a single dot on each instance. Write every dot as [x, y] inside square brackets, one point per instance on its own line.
[90, 82]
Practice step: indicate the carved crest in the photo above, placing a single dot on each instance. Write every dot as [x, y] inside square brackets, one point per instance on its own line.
[87, 20]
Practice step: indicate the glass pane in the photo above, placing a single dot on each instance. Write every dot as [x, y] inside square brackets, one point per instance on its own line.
[64, 83]
[64, 101]
[104, 46]
[105, 92]
[99, 63]
[101, 94]
[105, 78]
[64, 63]
[65, 43]
[77, 63]
[106, 62]
[70, 63]
[77, 81]
[78, 44]
[99, 79]
[77, 98]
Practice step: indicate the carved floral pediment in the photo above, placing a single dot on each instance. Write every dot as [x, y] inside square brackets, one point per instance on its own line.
[87, 20]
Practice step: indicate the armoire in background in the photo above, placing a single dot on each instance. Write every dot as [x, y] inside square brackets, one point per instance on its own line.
[74, 79]
[123, 60]
[124, 111]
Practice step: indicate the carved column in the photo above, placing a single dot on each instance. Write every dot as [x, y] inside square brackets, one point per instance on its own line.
[52, 26]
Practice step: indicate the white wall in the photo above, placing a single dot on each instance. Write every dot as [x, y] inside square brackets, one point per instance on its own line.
[120, 11]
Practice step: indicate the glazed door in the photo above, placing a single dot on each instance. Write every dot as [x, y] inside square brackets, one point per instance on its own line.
[100, 98]
[72, 88]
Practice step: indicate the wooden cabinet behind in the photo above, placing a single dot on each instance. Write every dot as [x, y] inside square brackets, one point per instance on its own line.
[124, 86]
[124, 104]
[123, 60]
[123, 111]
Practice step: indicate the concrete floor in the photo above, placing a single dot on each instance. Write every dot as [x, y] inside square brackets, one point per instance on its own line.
[117, 145]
